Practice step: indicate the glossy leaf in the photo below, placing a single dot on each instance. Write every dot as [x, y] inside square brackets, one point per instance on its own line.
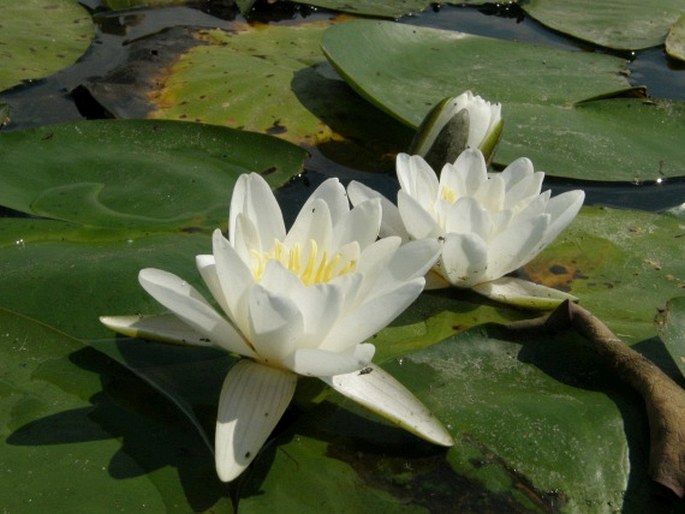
[67, 443]
[271, 79]
[136, 173]
[40, 37]
[407, 69]
[618, 24]
[129, 195]
[622, 265]
[563, 132]
[618, 139]
[69, 276]
[535, 412]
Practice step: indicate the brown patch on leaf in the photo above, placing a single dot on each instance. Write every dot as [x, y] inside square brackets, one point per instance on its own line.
[552, 274]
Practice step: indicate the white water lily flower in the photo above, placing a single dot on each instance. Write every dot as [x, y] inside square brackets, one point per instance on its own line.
[490, 224]
[455, 124]
[300, 302]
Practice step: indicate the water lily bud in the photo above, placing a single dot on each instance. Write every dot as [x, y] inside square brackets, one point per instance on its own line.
[455, 124]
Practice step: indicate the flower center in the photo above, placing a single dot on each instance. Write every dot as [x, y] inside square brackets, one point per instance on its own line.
[447, 194]
[311, 267]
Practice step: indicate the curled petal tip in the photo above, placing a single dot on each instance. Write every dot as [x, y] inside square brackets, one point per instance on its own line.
[379, 392]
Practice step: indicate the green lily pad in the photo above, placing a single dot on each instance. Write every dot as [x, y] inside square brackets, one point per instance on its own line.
[539, 427]
[672, 330]
[675, 41]
[406, 69]
[66, 442]
[271, 79]
[136, 173]
[58, 33]
[125, 195]
[622, 265]
[618, 139]
[258, 75]
[536, 420]
[566, 129]
[618, 24]
[69, 276]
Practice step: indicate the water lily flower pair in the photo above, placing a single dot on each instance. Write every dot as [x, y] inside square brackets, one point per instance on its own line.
[489, 224]
[301, 302]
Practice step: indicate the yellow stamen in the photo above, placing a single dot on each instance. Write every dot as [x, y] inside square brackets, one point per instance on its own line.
[448, 194]
[315, 270]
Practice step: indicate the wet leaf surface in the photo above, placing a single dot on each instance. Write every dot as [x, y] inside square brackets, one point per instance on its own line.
[58, 33]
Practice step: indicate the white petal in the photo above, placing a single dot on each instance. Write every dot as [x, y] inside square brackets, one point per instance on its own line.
[479, 121]
[411, 260]
[206, 265]
[277, 279]
[253, 400]
[333, 193]
[452, 179]
[530, 208]
[374, 257]
[468, 215]
[418, 222]
[464, 259]
[233, 274]
[491, 194]
[321, 305]
[417, 178]
[245, 239]
[373, 260]
[312, 223]
[275, 325]
[516, 171]
[314, 362]
[165, 328]
[350, 284]
[471, 164]
[522, 182]
[361, 224]
[256, 201]
[501, 221]
[183, 300]
[379, 392]
[510, 249]
[369, 316]
[237, 204]
[563, 209]
[523, 293]
[391, 222]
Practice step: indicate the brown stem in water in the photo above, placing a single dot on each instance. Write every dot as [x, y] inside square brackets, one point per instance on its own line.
[664, 399]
